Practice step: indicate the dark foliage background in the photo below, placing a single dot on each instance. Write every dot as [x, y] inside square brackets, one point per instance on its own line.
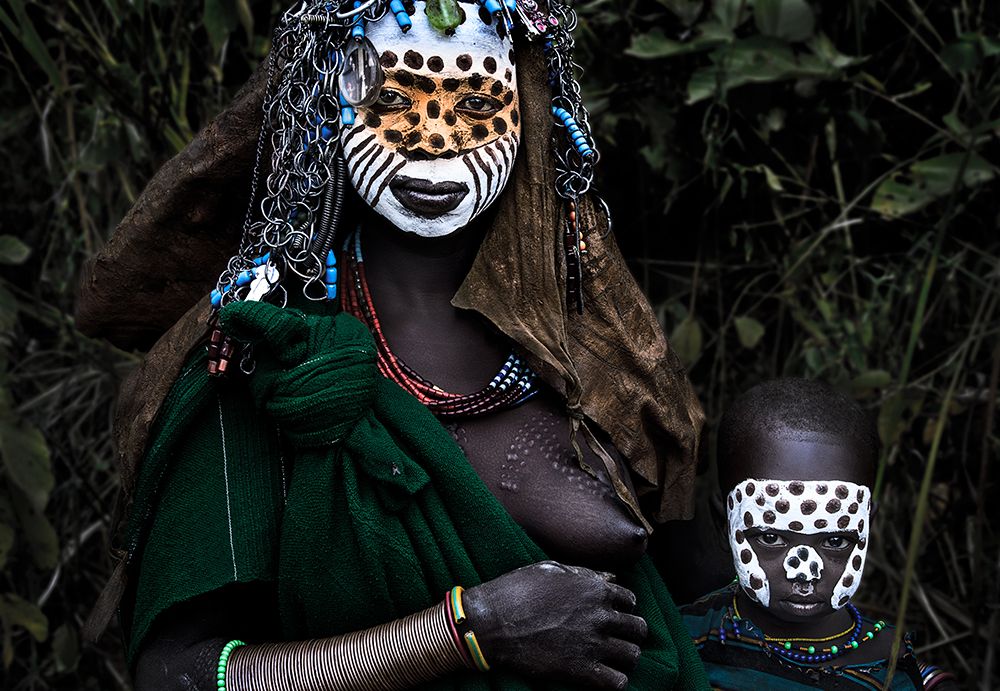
[802, 188]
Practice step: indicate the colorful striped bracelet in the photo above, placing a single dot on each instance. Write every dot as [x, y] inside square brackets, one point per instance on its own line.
[457, 611]
[224, 660]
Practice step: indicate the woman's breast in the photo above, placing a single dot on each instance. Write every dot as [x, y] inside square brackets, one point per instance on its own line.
[526, 459]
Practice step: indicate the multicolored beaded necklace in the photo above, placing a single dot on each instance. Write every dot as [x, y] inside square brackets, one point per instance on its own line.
[513, 385]
[808, 654]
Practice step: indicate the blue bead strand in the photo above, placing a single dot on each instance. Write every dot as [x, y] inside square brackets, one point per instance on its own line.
[576, 134]
[399, 12]
[330, 277]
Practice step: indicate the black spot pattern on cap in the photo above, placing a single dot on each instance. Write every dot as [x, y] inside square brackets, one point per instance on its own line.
[413, 59]
[821, 488]
[388, 59]
[820, 523]
[782, 505]
[464, 62]
[772, 489]
[795, 525]
[808, 506]
[833, 506]
[748, 520]
[796, 487]
[843, 522]
[740, 537]
[761, 501]
[751, 488]
[853, 508]
[739, 495]
[769, 517]
[842, 492]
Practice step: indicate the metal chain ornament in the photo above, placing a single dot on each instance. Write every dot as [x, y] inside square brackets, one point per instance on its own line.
[320, 69]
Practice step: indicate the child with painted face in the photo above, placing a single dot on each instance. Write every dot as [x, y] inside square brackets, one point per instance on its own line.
[796, 462]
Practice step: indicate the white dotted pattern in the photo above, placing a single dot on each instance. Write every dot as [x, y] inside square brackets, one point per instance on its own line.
[798, 506]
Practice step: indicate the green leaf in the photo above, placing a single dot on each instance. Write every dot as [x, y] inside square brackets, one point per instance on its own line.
[24, 30]
[962, 55]
[654, 44]
[749, 331]
[686, 340]
[36, 531]
[757, 59]
[13, 251]
[6, 543]
[26, 457]
[731, 13]
[791, 20]
[923, 182]
[872, 379]
[687, 11]
[16, 611]
[220, 18]
[65, 648]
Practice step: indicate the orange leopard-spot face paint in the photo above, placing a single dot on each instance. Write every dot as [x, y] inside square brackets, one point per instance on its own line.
[438, 146]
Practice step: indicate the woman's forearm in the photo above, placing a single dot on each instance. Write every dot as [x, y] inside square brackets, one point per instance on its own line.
[401, 654]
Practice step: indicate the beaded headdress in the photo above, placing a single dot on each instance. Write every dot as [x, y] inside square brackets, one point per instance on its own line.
[322, 67]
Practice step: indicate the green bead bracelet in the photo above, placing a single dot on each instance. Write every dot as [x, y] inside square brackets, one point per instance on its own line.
[224, 660]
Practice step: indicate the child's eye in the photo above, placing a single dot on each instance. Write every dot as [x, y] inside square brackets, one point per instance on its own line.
[836, 542]
[771, 540]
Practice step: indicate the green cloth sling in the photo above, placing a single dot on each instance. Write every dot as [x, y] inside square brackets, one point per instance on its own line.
[382, 513]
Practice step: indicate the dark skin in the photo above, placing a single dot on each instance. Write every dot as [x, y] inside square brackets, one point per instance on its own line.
[547, 619]
[800, 610]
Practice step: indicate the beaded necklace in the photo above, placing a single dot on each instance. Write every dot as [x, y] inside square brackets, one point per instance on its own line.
[513, 385]
[807, 654]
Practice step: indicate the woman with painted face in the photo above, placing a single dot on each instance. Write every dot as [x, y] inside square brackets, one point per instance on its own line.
[443, 392]
[796, 464]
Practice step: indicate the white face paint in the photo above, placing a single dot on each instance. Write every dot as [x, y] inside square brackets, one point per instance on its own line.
[804, 507]
[438, 147]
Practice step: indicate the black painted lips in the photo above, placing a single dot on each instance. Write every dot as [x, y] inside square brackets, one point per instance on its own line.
[426, 198]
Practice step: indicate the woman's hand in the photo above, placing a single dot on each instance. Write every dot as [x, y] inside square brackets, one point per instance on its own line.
[557, 621]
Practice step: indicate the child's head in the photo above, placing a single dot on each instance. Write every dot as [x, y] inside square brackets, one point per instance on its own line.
[797, 462]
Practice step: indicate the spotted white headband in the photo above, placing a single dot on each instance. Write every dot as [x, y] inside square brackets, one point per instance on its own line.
[798, 506]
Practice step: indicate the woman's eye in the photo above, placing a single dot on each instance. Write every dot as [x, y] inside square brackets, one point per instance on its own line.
[836, 542]
[389, 98]
[770, 539]
[478, 106]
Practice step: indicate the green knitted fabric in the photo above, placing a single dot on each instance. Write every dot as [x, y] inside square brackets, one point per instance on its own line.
[321, 475]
